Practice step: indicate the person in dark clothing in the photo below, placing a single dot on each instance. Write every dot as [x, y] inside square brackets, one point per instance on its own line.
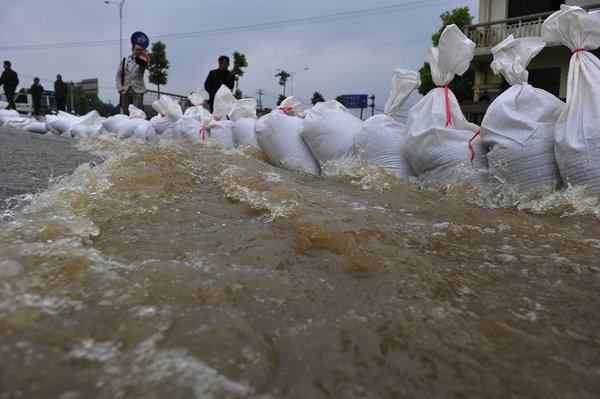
[218, 77]
[10, 80]
[61, 90]
[36, 94]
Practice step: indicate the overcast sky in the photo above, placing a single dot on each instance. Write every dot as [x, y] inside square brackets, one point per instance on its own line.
[349, 46]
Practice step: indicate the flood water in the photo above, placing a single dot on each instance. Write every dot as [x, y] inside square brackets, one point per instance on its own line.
[170, 269]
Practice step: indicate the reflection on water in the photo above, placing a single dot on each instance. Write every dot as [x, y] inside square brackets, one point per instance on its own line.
[184, 270]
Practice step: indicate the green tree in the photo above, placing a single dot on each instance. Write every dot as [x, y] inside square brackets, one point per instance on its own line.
[239, 62]
[237, 94]
[316, 98]
[280, 99]
[461, 86]
[158, 65]
[283, 77]
[340, 100]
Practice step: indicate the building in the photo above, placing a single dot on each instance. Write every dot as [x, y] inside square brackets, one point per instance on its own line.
[497, 20]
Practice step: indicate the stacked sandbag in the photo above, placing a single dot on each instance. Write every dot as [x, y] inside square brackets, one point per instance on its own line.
[81, 124]
[441, 144]
[36, 127]
[220, 129]
[243, 115]
[169, 112]
[329, 130]
[61, 123]
[8, 115]
[136, 126]
[518, 127]
[577, 135]
[192, 126]
[279, 137]
[113, 123]
[381, 139]
[291, 107]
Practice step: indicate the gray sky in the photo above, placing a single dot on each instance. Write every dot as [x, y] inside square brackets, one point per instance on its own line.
[349, 46]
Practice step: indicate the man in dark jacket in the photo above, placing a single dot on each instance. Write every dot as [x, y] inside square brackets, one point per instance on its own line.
[10, 80]
[36, 95]
[60, 92]
[218, 77]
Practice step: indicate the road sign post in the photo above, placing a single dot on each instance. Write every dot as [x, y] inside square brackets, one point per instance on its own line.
[355, 101]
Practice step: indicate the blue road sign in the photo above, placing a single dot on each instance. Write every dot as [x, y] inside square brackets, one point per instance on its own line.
[140, 38]
[355, 100]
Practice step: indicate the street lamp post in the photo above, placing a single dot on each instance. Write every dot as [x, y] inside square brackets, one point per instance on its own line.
[120, 5]
[292, 79]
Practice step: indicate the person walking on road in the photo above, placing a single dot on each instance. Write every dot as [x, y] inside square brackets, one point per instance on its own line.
[36, 95]
[10, 80]
[130, 78]
[218, 77]
[61, 90]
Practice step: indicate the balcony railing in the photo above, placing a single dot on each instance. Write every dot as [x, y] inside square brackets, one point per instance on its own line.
[488, 34]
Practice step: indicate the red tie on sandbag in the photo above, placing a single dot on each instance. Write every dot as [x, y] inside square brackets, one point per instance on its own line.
[471, 147]
[202, 131]
[285, 109]
[448, 115]
[578, 50]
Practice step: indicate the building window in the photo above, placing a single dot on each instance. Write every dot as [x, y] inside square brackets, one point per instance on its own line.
[519, 8]
[547, 79]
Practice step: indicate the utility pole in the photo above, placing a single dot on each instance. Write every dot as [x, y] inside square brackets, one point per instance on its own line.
[259, 103]
[372, 104]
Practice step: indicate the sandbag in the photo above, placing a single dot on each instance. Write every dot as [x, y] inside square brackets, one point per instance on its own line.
[291, 107]
[145, 131]
[577, 134]
[243, 132]
[222, 132]
[328, 130]
[381, 139]
[223, 102]
[162, 122]
[518, 127]
[127, 128]
[135, 112]
[243, 108]
[8, 115]
[79, 130]
[440, 141]
[279, 137]
[113, 123]
[37, 127]
[89, 119]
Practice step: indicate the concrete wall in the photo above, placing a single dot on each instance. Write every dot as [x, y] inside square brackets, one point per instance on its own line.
[497, 10]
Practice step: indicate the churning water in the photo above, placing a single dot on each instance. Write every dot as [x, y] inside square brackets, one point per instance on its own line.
[182, 270]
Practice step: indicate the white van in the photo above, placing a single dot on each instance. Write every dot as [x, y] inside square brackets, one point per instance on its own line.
[24, 102]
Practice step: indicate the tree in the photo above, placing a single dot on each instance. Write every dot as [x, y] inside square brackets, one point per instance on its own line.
[283, 77]
[317, 98]
[239, 62]
[340, 100]
[461, 86]
[280, 99]
[158, 65]
[237, 93]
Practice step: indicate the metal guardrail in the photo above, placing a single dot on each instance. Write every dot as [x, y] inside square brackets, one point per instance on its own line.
[488, 34]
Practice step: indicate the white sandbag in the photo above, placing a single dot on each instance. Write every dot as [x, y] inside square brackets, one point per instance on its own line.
[171, 133]
[3, 105]
[127, 128]
[59, 125]
[190, 128]
[222, 132]
[8, 115]
[95, 130]
[168, 106]
[79, 130]
[243, 108]
[197, 97]
[145, 131]
[381, 138]
[162, 122]
[279, 137]
[577, 135]
[89, 119]
[329, 130]
[37, 127]
[113, 123]
[201, 114]
[223, 102]
[518, 127]
[135, 112]
[243, 132]
[291, 107]
[440, 141]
